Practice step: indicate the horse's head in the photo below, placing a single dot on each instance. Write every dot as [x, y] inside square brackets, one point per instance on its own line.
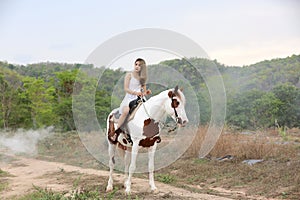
[175, 107]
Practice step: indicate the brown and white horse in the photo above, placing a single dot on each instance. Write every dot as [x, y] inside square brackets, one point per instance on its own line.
[144, 130]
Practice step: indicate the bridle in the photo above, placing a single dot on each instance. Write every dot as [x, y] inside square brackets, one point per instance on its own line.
[177, 119]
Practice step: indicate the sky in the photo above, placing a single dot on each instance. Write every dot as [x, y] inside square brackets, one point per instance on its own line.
[236, 33]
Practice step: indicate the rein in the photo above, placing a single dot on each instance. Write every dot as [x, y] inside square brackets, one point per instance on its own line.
[176, 115]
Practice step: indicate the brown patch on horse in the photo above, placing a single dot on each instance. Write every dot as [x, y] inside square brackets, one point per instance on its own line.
[150, 128]
[111, 132]
[171, 94]
[151, 131]
[147, 122]
[122, 146]
[148, 142]
[174, 93]
[174, 103]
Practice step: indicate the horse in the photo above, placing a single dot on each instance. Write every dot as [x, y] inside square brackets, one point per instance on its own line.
[144, 130]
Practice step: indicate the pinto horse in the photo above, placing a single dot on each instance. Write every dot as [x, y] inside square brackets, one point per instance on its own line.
[144, 130]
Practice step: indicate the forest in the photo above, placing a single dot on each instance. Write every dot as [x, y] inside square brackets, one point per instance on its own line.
[262, 95]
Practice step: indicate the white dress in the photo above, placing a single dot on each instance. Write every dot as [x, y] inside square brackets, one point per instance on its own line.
[134, 85]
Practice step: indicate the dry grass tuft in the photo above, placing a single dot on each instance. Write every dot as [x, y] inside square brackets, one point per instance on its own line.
[259, 145]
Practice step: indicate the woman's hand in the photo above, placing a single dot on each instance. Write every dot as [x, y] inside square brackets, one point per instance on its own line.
[148, 92]
[138, 94]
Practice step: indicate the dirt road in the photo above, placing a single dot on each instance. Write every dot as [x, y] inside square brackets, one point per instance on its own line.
[28, 172]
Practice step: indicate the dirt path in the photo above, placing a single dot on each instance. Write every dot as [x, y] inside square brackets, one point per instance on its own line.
[29, 172]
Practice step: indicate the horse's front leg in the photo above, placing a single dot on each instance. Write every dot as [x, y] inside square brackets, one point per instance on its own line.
[127, 157]
[132, 166]
[151, 153]
[111, 152]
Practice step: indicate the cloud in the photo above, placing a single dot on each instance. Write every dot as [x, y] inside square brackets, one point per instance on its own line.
[250, 53]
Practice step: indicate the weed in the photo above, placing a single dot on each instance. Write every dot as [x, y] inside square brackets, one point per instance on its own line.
[3, 173]
[85, 195]
[111, 195]
[43, 194]
[3, 182]
[76, 182]
[201, 161]
[282, 132]
[284, 195]
[165, 178]
[3, 185]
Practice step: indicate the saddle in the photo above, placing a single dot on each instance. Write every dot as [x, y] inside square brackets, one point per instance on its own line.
[130, 116]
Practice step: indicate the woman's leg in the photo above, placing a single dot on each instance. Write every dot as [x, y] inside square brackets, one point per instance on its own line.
[123, 116]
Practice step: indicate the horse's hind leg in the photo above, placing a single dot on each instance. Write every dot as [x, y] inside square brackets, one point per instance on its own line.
[111, 152]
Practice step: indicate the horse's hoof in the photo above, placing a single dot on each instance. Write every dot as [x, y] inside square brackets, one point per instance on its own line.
[109, 188]
[127, 192]
[154, 189]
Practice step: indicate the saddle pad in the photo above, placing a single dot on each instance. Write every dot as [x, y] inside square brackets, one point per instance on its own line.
[133, 112]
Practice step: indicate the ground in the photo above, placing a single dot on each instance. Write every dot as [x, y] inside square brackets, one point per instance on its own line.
[28, 172]
[63, 167]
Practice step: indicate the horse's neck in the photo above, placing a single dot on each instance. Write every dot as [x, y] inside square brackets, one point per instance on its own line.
[155, 107]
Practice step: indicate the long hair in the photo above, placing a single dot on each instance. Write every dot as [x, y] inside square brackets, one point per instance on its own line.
[143, 72]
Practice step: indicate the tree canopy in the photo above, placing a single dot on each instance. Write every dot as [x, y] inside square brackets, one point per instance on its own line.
[261, 95]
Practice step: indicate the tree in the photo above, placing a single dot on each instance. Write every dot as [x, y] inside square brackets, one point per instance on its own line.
[102, 106]
[9, 84]
[41, 101]
[64, 90]
[265, 110]
[239, 109]
[288, 111]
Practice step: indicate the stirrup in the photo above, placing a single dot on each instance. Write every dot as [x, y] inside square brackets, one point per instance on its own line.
[125, 140]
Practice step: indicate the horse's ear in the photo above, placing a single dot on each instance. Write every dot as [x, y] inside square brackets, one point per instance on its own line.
[176, 89]
[181, 89]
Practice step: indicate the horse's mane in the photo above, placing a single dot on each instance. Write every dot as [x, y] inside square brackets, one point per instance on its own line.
[164, 93]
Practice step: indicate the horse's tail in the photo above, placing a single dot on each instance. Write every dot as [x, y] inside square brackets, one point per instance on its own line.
[110, 123]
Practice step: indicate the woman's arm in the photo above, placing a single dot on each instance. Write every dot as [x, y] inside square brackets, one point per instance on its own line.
[146, 92]
[126, 83]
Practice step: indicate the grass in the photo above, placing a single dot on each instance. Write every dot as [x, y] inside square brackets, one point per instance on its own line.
[165, 178]
[85, 187]
[280, 168]
[67, 148]
[46, 194]
[3, 181]
[3, 173]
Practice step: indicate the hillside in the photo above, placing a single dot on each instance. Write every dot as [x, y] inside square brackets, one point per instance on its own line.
[258, 95]
[265, 75]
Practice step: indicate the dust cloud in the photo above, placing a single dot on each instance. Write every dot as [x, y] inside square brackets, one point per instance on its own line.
[23, 141]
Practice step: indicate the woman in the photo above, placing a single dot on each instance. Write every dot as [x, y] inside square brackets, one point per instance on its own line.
[134, 84]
